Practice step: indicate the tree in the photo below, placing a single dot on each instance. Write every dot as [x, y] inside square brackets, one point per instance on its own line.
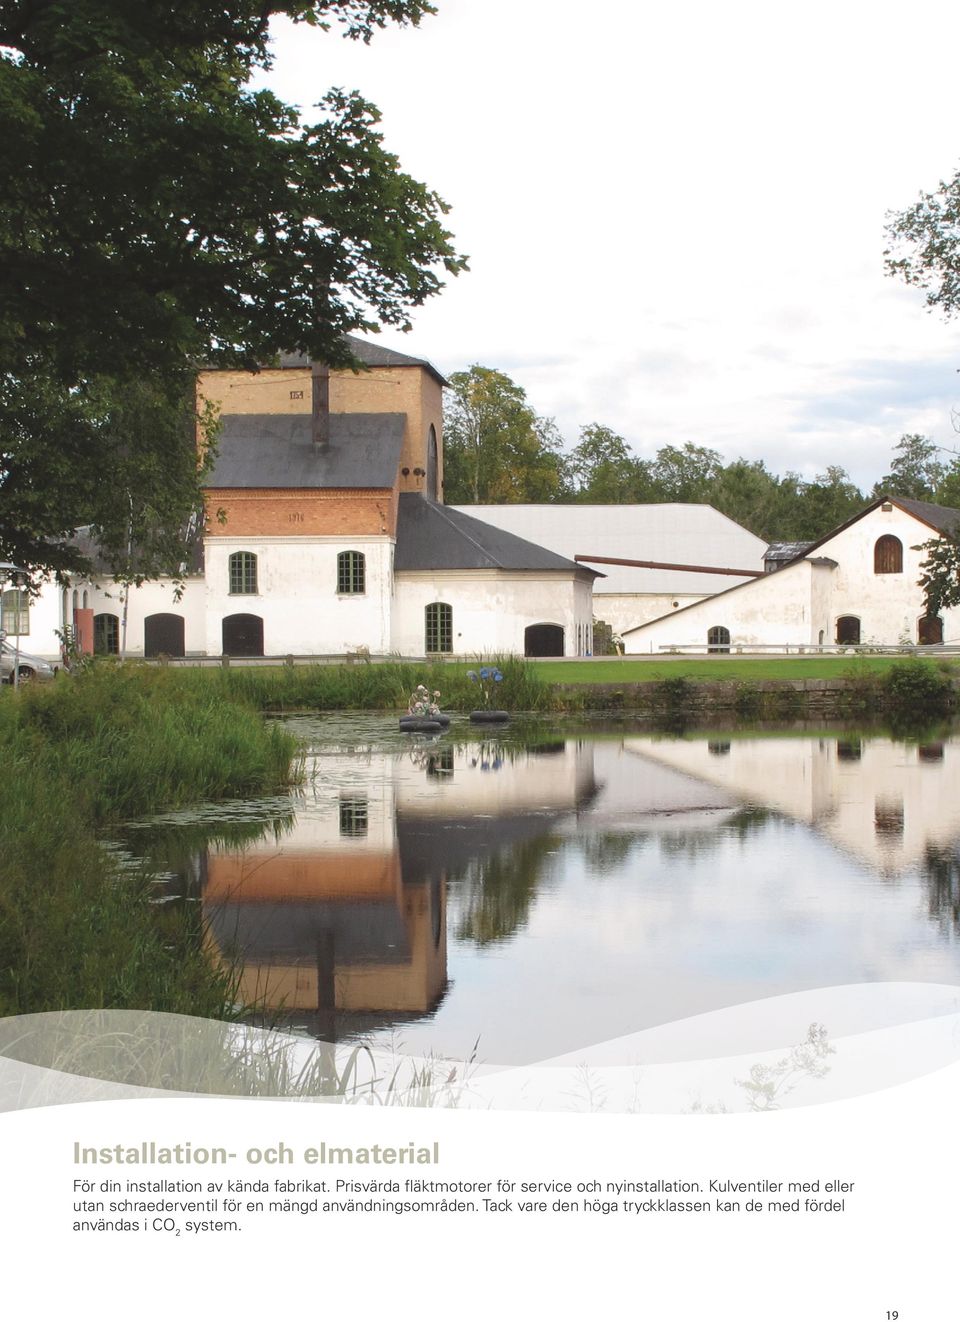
[916, 471]
[157, 212]
[823, 504]
[496, 449]
[940, 573]
[747, 492]
[925, 246]
[948, 492]
[602, 468]
[685, 474]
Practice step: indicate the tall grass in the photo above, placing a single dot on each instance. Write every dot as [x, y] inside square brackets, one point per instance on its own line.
[362, 686]
[77, 930]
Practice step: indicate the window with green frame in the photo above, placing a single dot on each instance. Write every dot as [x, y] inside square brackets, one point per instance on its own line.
[351, 572]
[106, 635]
[15, 617]
[439, 627]
[243, 574]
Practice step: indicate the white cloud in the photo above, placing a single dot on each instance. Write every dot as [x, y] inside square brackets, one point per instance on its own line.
[675, 213]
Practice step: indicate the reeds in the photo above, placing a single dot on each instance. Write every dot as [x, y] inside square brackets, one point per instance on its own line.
[362, 686]
[76, 929]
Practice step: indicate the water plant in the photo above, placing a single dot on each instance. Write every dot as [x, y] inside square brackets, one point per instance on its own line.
[486, 678]
[423, 704]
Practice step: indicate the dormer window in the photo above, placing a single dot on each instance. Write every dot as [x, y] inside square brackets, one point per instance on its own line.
[888, 555]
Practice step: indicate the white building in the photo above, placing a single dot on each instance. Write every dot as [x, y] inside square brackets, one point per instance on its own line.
[858, 585]
[325, 533]
[687, 541]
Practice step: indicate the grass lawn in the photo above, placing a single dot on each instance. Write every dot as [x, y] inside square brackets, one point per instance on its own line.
[639, 670]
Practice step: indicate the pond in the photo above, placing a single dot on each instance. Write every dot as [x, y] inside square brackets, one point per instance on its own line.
[531, 892]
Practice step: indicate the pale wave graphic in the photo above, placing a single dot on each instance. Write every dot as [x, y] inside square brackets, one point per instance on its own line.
[802, 1049]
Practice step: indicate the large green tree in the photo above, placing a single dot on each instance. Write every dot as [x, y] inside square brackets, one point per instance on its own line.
[603, 470]
[916, 470]
[925, 252]
[158, 212]
[496, 448]
[684, 473]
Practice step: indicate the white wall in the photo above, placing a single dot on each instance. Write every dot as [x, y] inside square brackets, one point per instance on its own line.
[106, 597]
[628, 610]
[44, 620]
[772, 609]
[888, 605]
[800, 605]
[491, 608]
[297, 595]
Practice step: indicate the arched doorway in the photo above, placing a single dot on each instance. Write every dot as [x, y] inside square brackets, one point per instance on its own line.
[242, 635]
[718, 639]
[163, 635]
[848, 629]
[543, 640]
[929, 630]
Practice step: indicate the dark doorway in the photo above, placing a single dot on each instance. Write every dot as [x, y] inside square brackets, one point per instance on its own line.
[243, 635]
[848, 629]
[543, 640]
[718, 639]
[929, 630]
[163, 635]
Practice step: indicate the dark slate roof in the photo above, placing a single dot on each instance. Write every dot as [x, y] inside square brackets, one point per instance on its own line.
[362, 933]
[941, 517]
[784, 551]
[371, 355]
[192, 563]
[431, 536]
[277, 450]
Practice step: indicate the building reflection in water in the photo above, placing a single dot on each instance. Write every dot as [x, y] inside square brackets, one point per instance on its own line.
[598, 884]
[886, 802]
[340, 925]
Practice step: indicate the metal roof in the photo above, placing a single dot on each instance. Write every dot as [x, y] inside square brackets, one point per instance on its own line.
[370, 355]
[277, 450]
[677, 533]
[431, 536]
[786, 550]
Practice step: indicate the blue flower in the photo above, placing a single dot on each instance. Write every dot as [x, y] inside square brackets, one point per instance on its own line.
[471, 674]
[497, 676]
[485, 673]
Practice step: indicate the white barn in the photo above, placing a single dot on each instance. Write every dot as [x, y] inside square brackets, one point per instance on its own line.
[696, 536]
[858, 585]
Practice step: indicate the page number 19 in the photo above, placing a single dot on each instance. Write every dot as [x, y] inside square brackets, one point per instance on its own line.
[892, 1315]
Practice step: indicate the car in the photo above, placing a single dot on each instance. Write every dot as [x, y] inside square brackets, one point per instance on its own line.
[30, 667]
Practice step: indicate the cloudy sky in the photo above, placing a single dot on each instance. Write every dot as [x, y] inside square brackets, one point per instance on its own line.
[675, 212]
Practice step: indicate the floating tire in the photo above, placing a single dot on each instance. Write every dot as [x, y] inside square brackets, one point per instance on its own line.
[489, 717]
[419, 725]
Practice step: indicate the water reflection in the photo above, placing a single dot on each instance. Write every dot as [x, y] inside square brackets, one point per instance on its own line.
[544, 895]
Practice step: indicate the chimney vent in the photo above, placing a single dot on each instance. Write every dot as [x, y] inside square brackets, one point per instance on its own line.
[320, 375]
